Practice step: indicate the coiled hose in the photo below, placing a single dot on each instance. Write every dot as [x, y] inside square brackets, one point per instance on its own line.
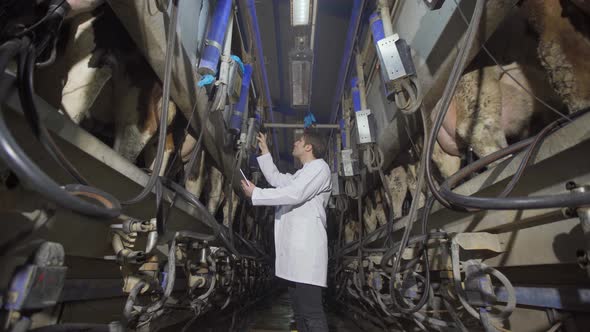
[511, 304]
[411, 87]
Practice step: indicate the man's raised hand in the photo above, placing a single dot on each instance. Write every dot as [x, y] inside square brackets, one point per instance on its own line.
[262, 143]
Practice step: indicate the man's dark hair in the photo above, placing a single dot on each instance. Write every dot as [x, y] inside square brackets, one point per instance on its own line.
[317, 141]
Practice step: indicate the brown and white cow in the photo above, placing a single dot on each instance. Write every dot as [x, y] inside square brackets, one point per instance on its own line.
[564, 46]
[351, 231]
[489, 109]
[111, 71]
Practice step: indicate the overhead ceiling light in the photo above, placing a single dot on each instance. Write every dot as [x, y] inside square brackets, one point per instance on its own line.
[300, 70]
[300, 10]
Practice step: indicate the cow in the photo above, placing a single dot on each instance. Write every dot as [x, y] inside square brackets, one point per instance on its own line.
[105, 79]
[563, 28]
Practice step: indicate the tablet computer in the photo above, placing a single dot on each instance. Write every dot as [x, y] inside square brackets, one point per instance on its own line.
[244, 176]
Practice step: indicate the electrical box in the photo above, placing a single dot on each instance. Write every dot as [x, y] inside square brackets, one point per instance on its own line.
[365, 124]
[38, 284]
[350, 164]
[395, 57]
[234, 82]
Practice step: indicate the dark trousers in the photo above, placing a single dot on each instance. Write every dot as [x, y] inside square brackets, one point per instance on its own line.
[306, 301]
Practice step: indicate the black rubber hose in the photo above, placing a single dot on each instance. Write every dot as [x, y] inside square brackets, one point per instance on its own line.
[251, 246]
[26, 94]
[107, 200]
[209, 220]
[413, 240]
[162, 216]
[518, 203]
[196, 236]
[361, 226]
[164, 112]
[192, 200]
[170, 279]
[58, 9]
[531, 144]
[8, 50]
[447, 96]
[16, 159]
[29, 172]
[128, 308]
[79, 327]
[514, 203]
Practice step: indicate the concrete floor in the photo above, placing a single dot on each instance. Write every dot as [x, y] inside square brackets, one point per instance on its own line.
[275, 314]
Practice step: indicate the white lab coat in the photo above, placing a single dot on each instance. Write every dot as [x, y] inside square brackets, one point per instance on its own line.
[301, 241]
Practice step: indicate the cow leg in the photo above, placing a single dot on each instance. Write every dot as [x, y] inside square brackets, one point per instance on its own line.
[196, 178]
[446, 163]
[412, 171]
[397, 186]
[82, 6]
[369, 217]
[129, 138]
[351, 231]
[226, 215]
[379, 211]
[135, 107]
[479, 111]
[84, 83]
[187, 147]
[216, 193]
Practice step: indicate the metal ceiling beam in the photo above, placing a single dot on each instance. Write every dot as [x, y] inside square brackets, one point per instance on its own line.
[275, 10]
[300, 126]
[262, 67]
[353, 28]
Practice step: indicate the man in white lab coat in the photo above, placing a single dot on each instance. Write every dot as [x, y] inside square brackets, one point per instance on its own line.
[301, 241]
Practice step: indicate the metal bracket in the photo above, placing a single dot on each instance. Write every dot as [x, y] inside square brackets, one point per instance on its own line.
[337, 187]
[583, 213]
[350, 166]
[215, 44]
[234, 81]
[365, 124]
[479, 241]
[395, 57]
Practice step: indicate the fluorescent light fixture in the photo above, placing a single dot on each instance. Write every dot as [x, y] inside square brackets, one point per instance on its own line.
[300, 70]
[300, 12]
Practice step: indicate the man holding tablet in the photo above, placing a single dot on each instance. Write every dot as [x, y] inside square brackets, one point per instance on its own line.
[301, 241]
